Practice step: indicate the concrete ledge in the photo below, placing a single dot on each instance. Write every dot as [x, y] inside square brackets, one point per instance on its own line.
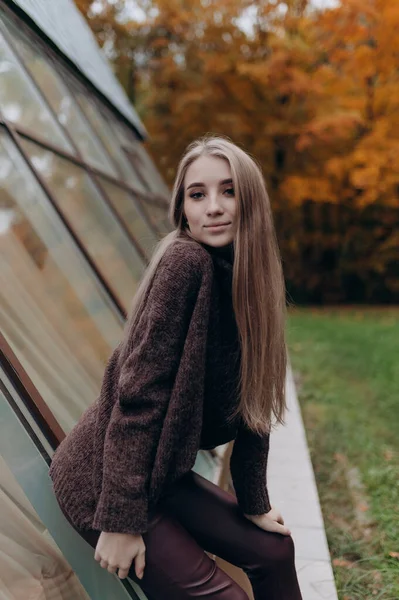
[292, 489]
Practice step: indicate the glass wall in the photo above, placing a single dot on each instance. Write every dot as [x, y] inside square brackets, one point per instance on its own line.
[78, 221]
[91, 218]
[53, 309]
[61, 101]
[82, 207]
[74, 243]
[42, 557]
[86, 127]
[23, 105]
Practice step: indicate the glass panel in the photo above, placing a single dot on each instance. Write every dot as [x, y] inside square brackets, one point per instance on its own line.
[92, 220]
[21, 103]
[140, 168]
[138, 156]
[125, 135]
[54, 314]
[62, 103]
[127, 208]
[158, 215]
[105, 132]
[42, 557]
[31, 563]
[151, 173]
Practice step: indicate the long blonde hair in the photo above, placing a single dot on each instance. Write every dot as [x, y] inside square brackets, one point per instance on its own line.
[258, 283]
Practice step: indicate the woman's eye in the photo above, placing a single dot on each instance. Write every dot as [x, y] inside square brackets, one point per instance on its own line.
[198, 195]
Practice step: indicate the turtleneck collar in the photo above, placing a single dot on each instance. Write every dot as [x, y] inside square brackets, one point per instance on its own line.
[223, 253]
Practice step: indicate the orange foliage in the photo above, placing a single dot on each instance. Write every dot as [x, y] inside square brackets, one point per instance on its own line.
[314, 95]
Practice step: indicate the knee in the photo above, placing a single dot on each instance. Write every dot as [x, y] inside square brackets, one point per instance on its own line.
[285, 550]
[279, 555]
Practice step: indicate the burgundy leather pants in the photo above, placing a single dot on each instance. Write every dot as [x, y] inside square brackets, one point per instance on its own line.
[197, 515]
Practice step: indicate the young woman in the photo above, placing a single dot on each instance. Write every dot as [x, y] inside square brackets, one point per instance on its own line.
[202, 362]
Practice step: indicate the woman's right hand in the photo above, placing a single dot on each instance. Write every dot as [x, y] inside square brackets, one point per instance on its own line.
[118, 550]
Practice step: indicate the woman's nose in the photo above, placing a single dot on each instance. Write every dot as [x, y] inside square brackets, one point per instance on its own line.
[214, 205]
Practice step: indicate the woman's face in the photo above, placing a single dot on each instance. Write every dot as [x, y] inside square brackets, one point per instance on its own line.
[209, 201]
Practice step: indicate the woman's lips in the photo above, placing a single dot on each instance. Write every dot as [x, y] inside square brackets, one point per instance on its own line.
[217, 226]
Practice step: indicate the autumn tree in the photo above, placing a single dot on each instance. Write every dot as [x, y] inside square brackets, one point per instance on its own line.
[350, 146]
[310, 93]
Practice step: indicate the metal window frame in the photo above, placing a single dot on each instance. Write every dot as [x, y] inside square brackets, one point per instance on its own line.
[129, 151]
[77, 157]
[99, 276]
[30, 395]
[73, 78]
[15, 13]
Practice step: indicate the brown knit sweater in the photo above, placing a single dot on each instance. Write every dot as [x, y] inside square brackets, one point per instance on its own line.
[167, 399]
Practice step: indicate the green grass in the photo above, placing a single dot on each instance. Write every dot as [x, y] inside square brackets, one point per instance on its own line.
[346, 363]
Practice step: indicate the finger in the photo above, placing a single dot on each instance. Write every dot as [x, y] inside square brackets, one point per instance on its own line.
[139, 564]
[97, 556]
[123, 572]
[104, 563]
[112, 568]
[284, 530]
[277, 528]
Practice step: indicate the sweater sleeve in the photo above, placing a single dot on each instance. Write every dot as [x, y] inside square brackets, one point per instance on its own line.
[248, 467]
[144, 389]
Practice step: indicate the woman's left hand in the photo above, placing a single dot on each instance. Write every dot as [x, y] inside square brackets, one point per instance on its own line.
[271, 521]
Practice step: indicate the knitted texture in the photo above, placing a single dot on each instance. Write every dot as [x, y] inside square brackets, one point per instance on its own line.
[168, 397]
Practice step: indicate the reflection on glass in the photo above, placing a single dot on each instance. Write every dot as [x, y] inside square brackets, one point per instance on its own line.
[125, 135]
[158, 215]
[62, 103]
[107, 136]
[92, 220]
[143, 161]
[58, 321]
[41, 555]
[31, 565]
[21, 103]
[126, 206]
[139, 158]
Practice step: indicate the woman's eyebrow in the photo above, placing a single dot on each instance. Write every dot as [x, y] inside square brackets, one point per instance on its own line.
[199, 184]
